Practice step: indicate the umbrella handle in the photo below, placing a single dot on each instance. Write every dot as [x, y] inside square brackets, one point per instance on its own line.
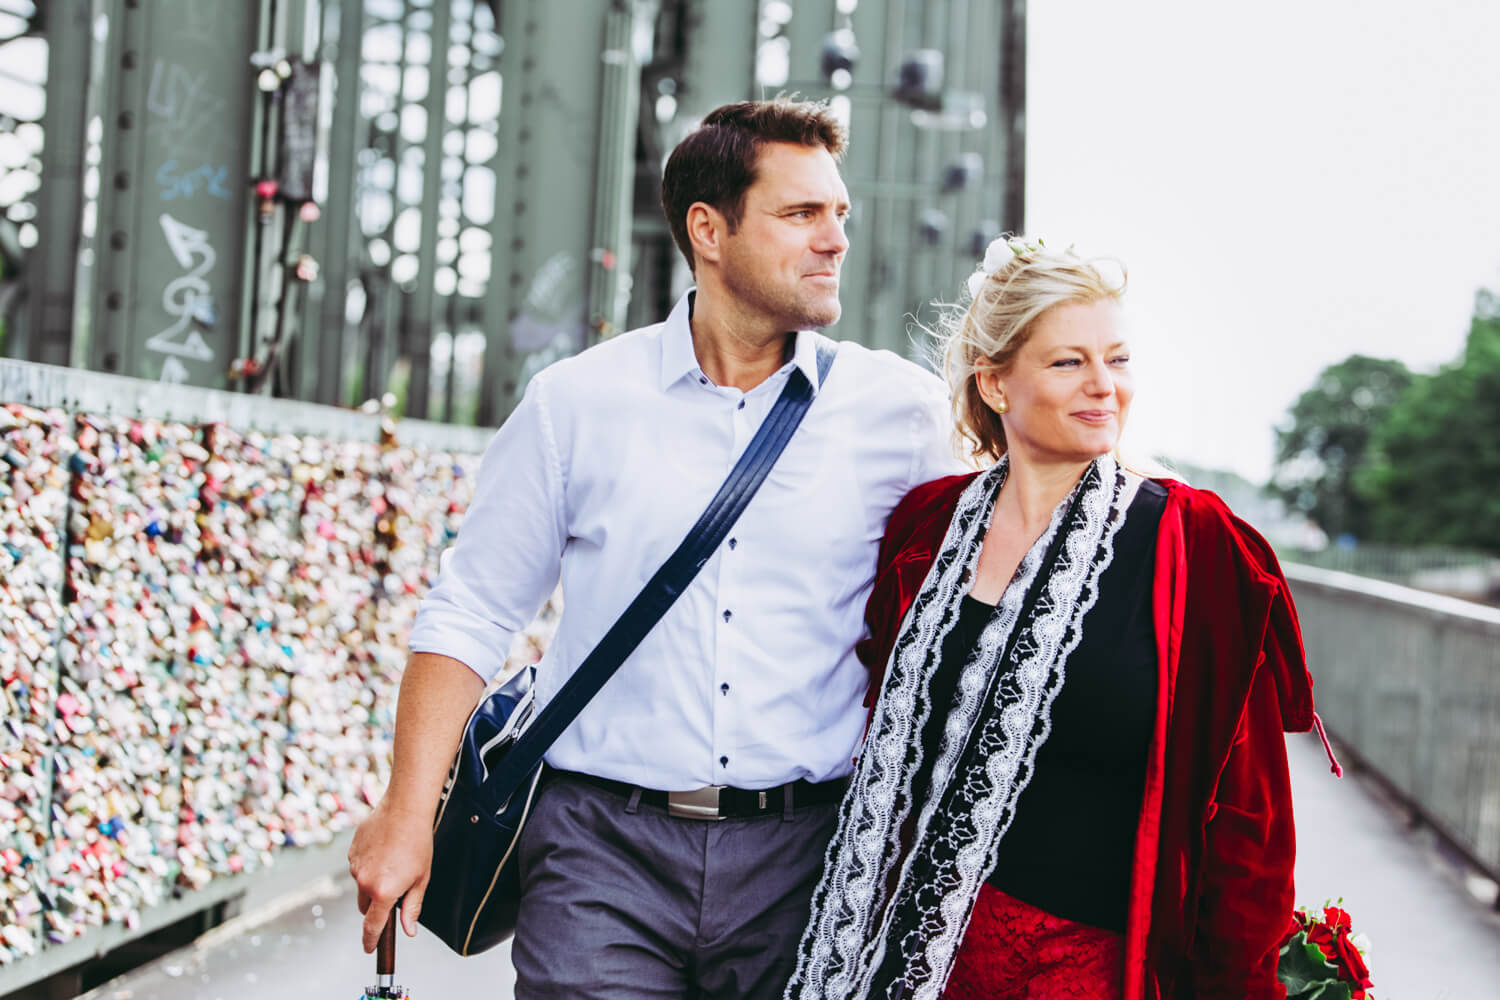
[385, 954]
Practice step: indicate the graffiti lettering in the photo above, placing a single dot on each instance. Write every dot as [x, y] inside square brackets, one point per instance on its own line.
[208, 179]
[186, 298]
[184, 102]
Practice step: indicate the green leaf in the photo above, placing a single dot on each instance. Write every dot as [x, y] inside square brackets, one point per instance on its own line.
[1330, 991]
[1304, 971]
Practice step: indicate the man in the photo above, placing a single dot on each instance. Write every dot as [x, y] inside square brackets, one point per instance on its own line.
[750, 680]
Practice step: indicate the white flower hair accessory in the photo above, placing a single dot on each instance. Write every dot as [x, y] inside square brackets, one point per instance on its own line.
[1001, 251]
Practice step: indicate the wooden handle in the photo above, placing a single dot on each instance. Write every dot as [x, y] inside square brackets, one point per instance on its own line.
[385, 954]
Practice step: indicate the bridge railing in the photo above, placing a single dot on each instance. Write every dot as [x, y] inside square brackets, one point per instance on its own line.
[1409, 682]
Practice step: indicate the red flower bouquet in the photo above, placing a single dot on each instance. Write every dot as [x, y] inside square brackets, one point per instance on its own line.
[1320, 961]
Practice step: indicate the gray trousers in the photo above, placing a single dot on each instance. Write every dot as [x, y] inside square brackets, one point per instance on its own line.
[619, 903]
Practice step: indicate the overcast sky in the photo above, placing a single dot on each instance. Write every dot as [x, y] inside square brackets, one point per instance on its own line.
[1288, 182]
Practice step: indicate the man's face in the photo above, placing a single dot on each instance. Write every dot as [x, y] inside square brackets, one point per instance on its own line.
[782, 263]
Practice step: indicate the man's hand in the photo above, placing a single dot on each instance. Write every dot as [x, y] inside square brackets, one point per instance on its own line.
[391, 855]
[390, 858]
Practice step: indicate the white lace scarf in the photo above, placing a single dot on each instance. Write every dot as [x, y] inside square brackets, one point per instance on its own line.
[896, 894]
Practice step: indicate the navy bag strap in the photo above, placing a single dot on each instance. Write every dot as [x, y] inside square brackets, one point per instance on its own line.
[663, 589]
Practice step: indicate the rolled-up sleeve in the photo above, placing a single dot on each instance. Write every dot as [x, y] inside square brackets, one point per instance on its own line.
[508, 553]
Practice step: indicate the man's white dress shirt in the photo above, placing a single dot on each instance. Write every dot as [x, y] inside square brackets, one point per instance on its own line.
[750, 679]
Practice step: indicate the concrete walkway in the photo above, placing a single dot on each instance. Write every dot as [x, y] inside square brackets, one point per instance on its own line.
[1434, 932]
[308, 949]
[1435, 935]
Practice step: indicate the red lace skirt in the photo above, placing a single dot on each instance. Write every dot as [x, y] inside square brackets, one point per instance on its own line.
[1014, 951]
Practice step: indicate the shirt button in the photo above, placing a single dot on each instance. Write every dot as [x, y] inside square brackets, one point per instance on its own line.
[723, 761]
[728, 614]
[733, 542]
[741, 406]
[703, 380]
[724, 688]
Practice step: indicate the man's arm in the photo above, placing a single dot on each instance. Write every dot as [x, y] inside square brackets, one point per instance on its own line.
[503, 565]
[391, 855]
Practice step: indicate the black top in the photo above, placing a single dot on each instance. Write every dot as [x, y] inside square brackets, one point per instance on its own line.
[1068, 850]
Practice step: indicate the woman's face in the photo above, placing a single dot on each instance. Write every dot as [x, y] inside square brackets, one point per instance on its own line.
[1068, 391]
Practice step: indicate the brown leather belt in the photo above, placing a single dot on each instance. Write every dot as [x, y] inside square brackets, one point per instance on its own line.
[718, 802]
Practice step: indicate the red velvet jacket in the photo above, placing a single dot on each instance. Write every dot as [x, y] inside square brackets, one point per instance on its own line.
[1211, 894]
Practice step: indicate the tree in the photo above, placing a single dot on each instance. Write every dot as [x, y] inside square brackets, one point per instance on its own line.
[1319, 451]
[1434, 466]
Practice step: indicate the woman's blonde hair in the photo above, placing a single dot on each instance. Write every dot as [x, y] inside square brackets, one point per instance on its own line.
[1019, 280]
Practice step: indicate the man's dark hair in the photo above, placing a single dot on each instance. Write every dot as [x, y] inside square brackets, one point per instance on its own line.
[716, 163]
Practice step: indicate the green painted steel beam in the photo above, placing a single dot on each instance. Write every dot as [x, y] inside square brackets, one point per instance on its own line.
[50, 329]
[417, 335]
[173, 188]
[718, 60]
[614, 181]
[875, 135]
[339, 259]
[811, 22]
[548, 187]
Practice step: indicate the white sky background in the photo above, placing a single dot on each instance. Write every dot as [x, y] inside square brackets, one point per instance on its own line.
[1289, 183]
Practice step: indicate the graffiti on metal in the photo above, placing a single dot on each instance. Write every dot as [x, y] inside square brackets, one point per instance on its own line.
[184, 103]
[176, 182]
[187, 298]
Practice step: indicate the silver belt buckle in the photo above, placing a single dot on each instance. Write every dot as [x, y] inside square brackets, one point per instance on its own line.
[700, 803]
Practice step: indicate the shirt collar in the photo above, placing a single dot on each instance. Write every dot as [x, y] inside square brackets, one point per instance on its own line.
[678, 359]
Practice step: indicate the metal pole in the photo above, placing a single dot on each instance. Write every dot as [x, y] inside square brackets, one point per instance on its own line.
[337, 223]
[418, 336]
[885, 283]
[293, 371]
[499, 381]
[619, 108]
[451, 311]
[864, 289]
[261, 229]
[1013, 114]
[49, 333]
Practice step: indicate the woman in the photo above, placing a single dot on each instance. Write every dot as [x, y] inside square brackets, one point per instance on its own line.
[1075, 779]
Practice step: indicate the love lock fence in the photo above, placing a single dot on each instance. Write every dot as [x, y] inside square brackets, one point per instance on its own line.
[204, 600]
